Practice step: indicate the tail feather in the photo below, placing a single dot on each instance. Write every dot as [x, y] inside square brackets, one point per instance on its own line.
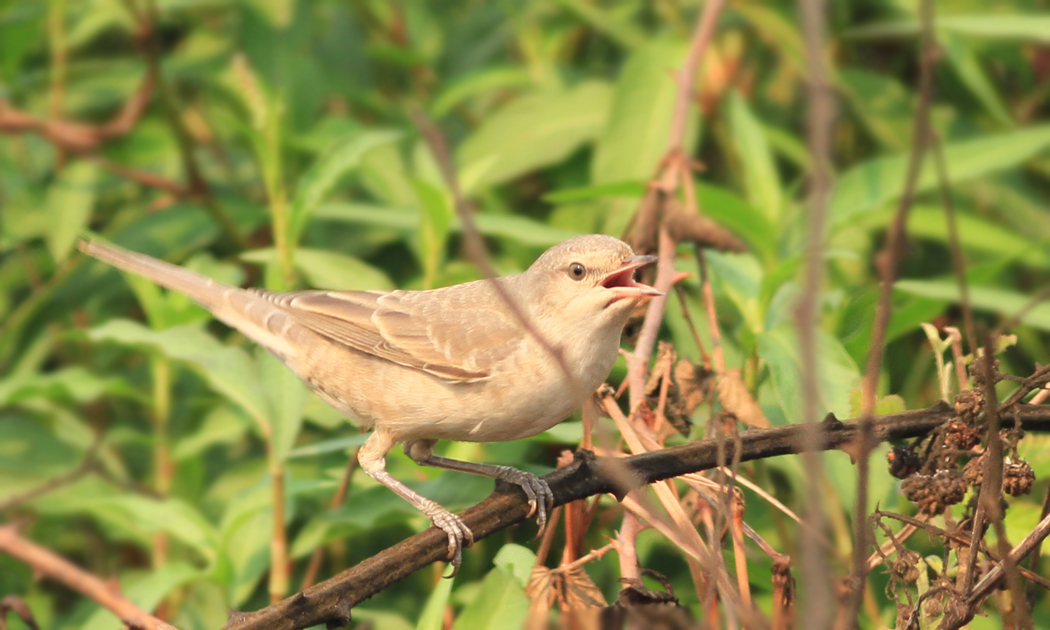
[251, 312]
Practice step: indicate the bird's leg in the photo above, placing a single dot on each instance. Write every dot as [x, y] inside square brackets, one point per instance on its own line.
[372, 458]
[541, 499]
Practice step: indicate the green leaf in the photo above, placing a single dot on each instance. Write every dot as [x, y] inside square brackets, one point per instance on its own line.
[740, 217]
[976, 234]
[739, 276]
[229, 371]
[30, 452]
[778, 31]
[138, 516]
[884, 405]
[636, 133]
[247, 552]
[884, 105]
[287, 396]
[837, 373]
[869, 185]
[1034, 27]
[74, 383]
[500, 603]
[531, 132]
[974, 77]
[433, 615]
[480, 82]
[329, 270]
[341, 444]
[635, 190]
[516, 560]
[222, 425]
[437, 216]
[982, 298]
[520, 229]
[622, 31]
[759, 169]
[324, 174]
[69, 203]
[145, 589]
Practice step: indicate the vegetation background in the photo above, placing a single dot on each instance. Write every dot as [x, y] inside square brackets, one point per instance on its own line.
[279, 143]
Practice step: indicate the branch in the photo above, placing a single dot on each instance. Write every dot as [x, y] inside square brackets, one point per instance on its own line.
[45, 562]
[330, 601]
[79, 138]
[820, 120]
[888, 262]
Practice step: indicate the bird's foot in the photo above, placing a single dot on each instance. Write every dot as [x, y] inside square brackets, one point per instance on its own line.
[541, 499]
[459, 535]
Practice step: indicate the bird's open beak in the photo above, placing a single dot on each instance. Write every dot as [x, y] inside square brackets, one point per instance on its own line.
[622, 283]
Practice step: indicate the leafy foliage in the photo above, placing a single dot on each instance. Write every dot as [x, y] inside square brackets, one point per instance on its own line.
[277, 147]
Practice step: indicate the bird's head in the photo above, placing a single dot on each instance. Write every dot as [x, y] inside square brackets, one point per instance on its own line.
[589, 276]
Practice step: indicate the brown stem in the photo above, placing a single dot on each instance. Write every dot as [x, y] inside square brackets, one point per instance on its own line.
[279, 539]
[337, 499]
[820, 118]
[887, 262]
[958, 258]
[46, 563]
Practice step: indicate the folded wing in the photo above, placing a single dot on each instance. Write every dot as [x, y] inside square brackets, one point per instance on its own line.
[459, 334]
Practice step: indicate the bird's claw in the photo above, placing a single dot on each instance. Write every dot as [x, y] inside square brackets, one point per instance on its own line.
[538, 491]
[459, 535]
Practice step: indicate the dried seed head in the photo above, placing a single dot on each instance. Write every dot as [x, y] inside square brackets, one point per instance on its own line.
[933, 494]
[961, 436]
[1018, 477]
[906, 565]
[950, 487]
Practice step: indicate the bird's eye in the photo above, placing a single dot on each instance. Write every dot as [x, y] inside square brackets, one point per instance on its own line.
[576, 271]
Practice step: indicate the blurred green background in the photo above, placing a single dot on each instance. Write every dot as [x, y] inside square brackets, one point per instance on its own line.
[276, 146]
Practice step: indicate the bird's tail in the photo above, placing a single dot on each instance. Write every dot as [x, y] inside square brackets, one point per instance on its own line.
[251, 312]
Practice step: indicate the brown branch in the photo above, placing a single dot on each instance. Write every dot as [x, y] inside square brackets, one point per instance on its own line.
[705, 28]
[958, 259]
[16, 605]
[331, 601]
[46, 563]
[1030, 545]
[79, 138]
[310, 577]
[86, 466]
[818, 603]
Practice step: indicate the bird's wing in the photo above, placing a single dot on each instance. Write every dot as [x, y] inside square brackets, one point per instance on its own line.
[458, 334]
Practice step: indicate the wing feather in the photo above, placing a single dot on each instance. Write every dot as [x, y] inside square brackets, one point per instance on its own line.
[458, 333]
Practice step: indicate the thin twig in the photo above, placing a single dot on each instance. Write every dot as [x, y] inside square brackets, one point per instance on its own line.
[958, 258]
[1027, 546]
[310, 576]
[818, 603]
[887, 263]
[46, 563]
[705, 28]
[86, 466]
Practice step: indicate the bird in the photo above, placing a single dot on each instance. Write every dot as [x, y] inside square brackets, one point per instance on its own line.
[490, 360]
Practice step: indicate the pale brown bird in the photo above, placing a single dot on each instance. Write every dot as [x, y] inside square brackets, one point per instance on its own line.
[455, 363]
